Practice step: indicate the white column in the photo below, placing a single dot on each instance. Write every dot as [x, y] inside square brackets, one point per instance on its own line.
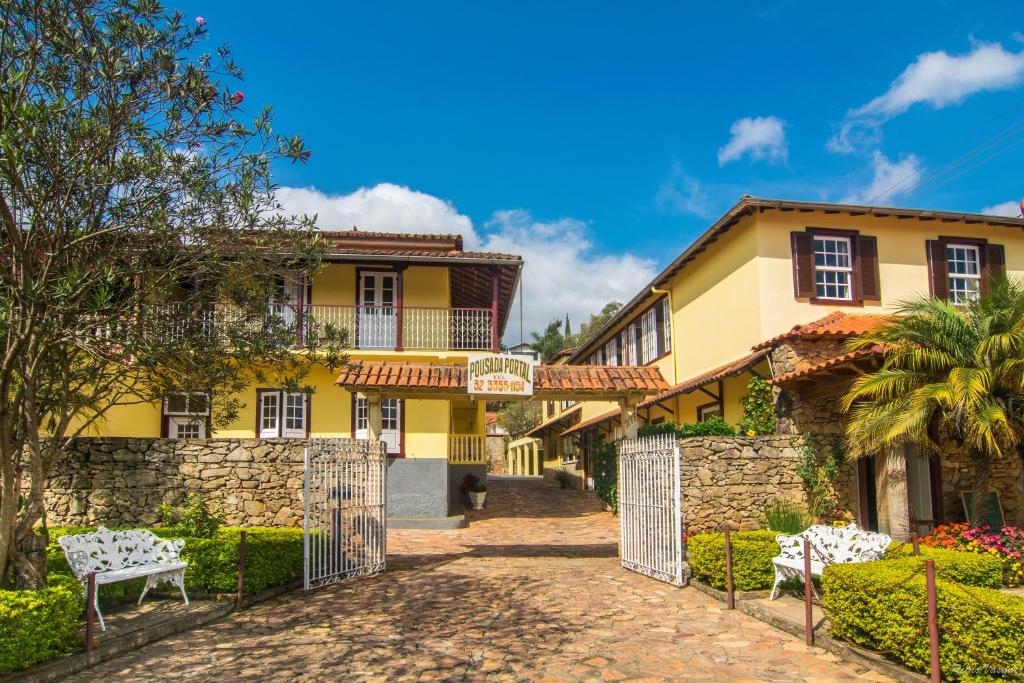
[629, 416]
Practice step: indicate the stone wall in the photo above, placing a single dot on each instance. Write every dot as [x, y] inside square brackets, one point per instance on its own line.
[121, 481]
[732, 479]
[496, 455]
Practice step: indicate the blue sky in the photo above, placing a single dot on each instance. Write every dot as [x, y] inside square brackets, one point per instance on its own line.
[599, 139]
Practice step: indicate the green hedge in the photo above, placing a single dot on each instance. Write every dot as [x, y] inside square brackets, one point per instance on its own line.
[273, 558]
[39, 625]
[873, 605]
[972, 569]
[752, 553]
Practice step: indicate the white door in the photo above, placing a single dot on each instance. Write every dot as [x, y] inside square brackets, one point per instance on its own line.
[919, 492]
[285, 303]
[391, 422]
[270, 415]
[376, 320]
[283, 414]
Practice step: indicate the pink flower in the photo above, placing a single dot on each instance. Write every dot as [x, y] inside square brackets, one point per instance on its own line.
[200, 21]
[237, 99]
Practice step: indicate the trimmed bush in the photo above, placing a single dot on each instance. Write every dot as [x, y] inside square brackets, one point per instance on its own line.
[39, 625]
[875, 605]
[752, 553]
[273, 558]
[985, 571]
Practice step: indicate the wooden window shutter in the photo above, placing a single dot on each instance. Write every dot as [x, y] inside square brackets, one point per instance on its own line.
[803, 264]
[938, 269]
[994, 265]
[870, 287]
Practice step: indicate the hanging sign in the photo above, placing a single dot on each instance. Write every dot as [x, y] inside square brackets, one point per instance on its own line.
[495, 374]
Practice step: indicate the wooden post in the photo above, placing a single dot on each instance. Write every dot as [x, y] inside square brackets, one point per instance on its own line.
[240, 597]
[730, 593]
[917, 545]
[90, 610]
[808, 611]
[933, 621]
[495, 337]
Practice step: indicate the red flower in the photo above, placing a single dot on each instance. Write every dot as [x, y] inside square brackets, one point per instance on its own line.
[237, 99]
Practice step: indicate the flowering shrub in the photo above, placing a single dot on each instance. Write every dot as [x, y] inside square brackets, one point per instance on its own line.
[1007, 544]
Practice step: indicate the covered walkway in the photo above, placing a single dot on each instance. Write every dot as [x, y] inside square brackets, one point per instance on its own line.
[531, 590]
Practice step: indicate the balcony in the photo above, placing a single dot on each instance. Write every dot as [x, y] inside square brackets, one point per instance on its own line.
[467, 449]
[389, 328]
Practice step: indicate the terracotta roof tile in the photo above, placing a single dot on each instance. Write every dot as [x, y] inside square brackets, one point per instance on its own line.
[721, 372]
[596, 420]
[876, 349]
[405, 244]
[837, 325]
[580, 379]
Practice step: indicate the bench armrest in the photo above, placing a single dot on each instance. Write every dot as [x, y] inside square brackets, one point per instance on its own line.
[790, 547]
[168, 550]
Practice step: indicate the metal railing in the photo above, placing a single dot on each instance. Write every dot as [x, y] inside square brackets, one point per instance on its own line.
[411, 328]
[467, 449]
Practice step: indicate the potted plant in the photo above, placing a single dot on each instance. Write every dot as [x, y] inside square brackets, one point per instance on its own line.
[476, 490]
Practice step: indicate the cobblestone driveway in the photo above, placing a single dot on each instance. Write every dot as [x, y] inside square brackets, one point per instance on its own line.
[531, 590]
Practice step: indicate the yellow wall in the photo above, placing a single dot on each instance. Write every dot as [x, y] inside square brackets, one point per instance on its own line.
[422, 285]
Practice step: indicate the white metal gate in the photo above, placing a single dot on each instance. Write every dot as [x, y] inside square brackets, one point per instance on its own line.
[345, 517]
[651, 541]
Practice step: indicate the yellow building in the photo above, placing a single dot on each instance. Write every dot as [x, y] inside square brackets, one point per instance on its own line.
[755, 273]
[412, 298]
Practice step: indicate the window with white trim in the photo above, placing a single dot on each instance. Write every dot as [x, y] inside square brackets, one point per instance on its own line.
[666, 318]
[649, 336]
[611, 351]
[283, 414]
[390, 422]
[964, 264]
[833, 268]
[185, 415]
[708, 410]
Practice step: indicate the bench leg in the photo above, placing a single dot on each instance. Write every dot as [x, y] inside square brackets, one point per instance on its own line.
[149, 584]
[179, 580]
[779, 578]
[96, 606]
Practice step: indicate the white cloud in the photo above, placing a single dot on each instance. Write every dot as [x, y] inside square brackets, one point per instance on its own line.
[887, 179]
[562, 273]
[385, 207]
[936, 78]
[682, 193]
[761, 137]
[1011, 208]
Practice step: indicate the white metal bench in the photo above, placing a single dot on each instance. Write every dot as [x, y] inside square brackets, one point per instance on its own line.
[829, 545]
[124, 555]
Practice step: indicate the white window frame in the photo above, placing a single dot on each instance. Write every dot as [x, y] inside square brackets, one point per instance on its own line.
[611, 351]
[193, 418]
[666, 314]
[709, 410]
[277, 416]
[966, 278]
[391, 426]
[649, 336]
[570, 451]
[177, 423]
[837, 269]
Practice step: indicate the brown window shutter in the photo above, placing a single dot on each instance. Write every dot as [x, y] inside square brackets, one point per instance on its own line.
[803, 264]
[938, 269]
[995, 264]
[867, 269]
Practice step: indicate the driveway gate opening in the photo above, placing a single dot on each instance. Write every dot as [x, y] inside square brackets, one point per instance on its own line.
[345, 518]
[651, 541]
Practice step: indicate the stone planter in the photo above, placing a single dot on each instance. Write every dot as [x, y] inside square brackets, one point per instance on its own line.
[477, 498]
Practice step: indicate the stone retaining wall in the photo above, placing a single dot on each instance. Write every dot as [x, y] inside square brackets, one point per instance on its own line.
[728, 479]
[121, 481]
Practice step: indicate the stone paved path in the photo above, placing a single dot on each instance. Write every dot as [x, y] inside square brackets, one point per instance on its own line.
[531, 590]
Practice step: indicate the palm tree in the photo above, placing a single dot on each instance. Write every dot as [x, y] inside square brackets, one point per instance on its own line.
[955, 371]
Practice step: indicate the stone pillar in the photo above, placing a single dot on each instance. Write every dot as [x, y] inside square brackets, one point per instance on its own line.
[374, 421]
[897, 502]
[629, 416]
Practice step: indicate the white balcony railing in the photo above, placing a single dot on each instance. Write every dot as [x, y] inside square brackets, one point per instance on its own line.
[467, 449]
[368, 327]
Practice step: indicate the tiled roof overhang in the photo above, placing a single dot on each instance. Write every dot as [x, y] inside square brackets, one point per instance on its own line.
[549, 381]
[555, 422]
[837, 325]
[735, 367]
[593, 422]
[748, 205]
[829, 368]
